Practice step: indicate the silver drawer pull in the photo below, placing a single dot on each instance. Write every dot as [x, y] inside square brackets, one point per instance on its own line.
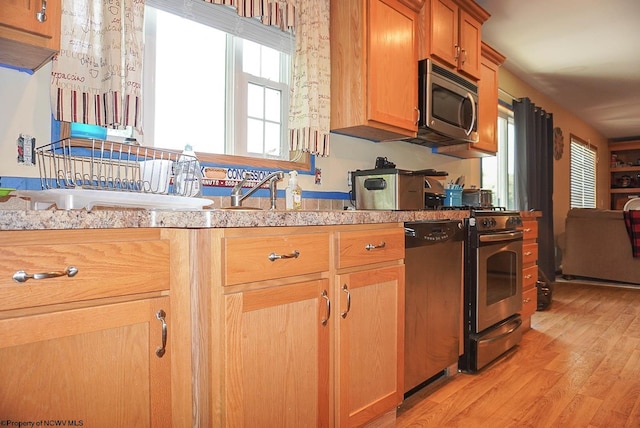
[346, 290]
[370, 247]
[42, 15]
[22, 276]
[273, 256]
[528, 253]
[326, 297]
[528, 276]
[161, 317]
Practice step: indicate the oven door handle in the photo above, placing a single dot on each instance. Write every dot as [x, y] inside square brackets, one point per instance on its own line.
[505, 236]
[518, 323]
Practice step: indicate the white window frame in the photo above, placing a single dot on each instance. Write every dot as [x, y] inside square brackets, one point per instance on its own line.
[503, 163]
[583, 175]
[226, 19]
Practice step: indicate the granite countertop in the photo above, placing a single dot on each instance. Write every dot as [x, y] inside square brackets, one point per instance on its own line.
[27, 219]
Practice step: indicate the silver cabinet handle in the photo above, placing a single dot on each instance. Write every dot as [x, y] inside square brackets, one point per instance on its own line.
[22, 276]
[42, 15]
[370, 247]
[528, 276]
[326, 297]
[418, 119]
[457, 55]
[273, 256]
[464, 58]
[161, 316]
[528, 253]
[346, 290]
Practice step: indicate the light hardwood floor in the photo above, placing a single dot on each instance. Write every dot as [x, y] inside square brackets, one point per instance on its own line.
[579, 366]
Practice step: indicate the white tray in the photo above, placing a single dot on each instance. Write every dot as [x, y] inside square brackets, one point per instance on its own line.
[68, 199]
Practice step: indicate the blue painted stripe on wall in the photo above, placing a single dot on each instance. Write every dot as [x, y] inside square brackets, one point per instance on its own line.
[30, 183]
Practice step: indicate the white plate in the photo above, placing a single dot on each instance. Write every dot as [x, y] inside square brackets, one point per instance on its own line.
[68, 199]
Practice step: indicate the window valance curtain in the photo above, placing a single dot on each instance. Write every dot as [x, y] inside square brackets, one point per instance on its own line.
[96, 77]
[271, 12]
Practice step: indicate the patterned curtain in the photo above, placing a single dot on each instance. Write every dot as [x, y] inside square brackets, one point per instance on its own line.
[309, 111]
[310, 101]
[96, 77]
[271, 12]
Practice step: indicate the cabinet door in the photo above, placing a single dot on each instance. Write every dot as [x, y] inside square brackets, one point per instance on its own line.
[370, 336]
[488, 108]
[277, 354]
[392, 64]
[444, 31]
[96, 366]
[21, 15]
[469, 40]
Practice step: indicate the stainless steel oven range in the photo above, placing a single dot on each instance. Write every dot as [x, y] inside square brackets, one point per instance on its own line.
[492, 286]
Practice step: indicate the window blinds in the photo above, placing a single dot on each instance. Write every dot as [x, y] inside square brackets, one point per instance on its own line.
[583, 175]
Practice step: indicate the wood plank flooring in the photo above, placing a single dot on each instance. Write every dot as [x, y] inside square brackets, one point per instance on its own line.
[579, 366]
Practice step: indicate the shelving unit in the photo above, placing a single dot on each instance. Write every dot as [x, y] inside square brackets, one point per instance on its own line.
[624, 172]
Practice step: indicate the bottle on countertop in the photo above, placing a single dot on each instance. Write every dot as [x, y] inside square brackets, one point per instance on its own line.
[293, 193]
[188, 174]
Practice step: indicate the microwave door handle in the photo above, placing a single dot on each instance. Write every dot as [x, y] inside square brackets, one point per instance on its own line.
[473, 114]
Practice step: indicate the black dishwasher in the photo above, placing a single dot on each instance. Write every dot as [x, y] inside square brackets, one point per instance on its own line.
[433, 297]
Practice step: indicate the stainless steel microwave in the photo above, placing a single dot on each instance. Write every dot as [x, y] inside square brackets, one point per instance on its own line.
[448, 104]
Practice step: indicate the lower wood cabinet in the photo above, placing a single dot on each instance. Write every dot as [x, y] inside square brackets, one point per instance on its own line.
[277, 356]
[94, 348]
[93, 366]
[529, 268]
[306, 342]
[370, 332]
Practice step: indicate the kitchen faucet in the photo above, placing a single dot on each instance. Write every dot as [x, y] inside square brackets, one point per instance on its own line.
[236, 193]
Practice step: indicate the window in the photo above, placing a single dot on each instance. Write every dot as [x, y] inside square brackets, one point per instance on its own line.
[583, 174]
[214, 80]
[498, 172]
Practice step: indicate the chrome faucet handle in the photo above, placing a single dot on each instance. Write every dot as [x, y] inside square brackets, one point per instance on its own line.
[236, 192]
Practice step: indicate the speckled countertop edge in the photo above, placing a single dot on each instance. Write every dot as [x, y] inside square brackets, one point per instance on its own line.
[25, 219]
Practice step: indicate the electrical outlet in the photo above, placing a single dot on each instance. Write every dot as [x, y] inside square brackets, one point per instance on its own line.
[25, 146]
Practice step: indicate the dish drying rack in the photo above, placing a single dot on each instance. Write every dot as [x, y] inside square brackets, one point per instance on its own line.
[78, 173]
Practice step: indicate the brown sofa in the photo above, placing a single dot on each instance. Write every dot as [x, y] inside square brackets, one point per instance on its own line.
[597, 245]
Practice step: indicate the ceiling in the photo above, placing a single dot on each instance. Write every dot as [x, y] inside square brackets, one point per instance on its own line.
[584, 55]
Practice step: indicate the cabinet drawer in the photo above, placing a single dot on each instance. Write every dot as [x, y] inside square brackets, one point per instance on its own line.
[529, 277]
[530, 229]
[529, 302]
[105, 269]
[370, 246]
[270, 257]
[529, 254]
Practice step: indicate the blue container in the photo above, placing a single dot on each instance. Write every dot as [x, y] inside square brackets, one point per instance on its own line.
[453, 197]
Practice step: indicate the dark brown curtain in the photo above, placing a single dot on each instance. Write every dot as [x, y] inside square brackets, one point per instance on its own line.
[534, 172]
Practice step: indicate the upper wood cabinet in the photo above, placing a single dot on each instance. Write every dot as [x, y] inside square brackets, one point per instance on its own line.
[454, 34]
[25, 40]
[487, 144]
[374, 84]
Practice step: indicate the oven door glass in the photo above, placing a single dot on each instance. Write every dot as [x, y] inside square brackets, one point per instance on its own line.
[499, 286]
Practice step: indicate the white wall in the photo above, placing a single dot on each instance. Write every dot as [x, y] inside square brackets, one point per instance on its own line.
[25, 108]
[349, 154]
